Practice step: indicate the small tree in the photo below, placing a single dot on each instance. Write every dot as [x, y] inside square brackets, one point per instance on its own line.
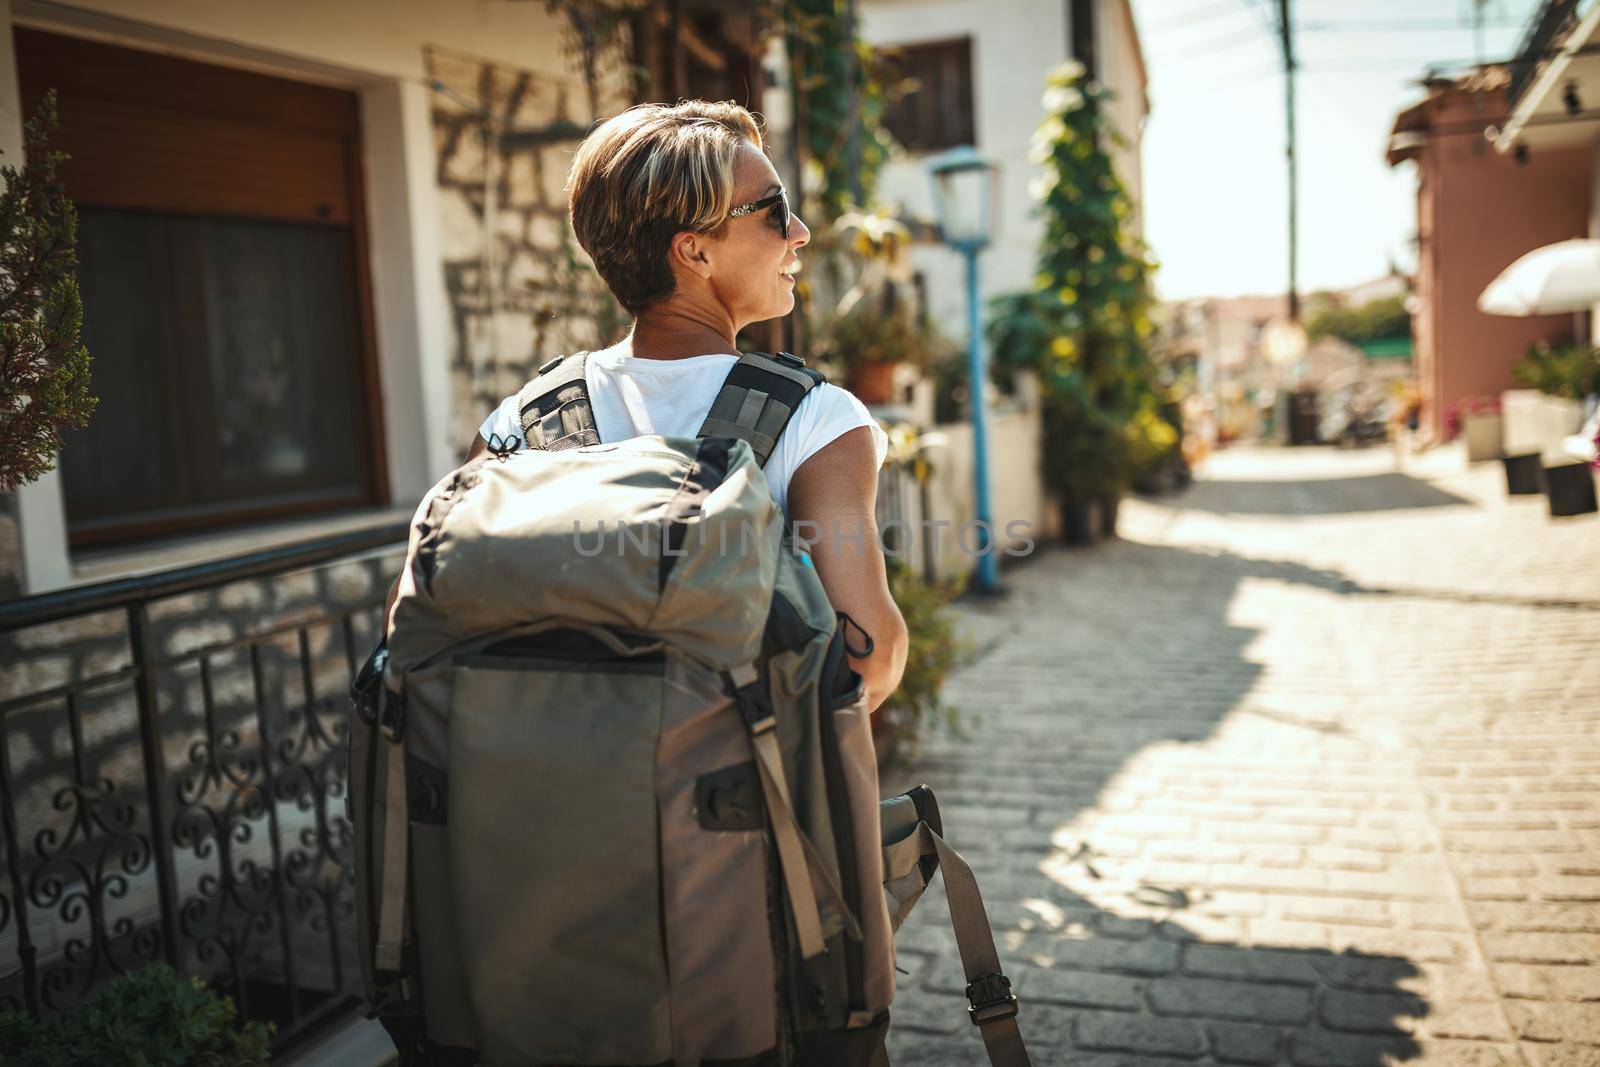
[1085, 327]
[45, 384]
[1375, 320]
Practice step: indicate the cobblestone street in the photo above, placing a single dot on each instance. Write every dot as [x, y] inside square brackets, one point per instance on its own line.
[1303, 769]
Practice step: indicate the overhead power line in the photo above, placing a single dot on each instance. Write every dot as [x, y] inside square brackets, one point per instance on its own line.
[1209, 48]
[1204, 13]
[1396, 26]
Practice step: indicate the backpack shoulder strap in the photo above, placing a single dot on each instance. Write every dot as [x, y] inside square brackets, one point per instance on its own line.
[554, 407]
[758, 398]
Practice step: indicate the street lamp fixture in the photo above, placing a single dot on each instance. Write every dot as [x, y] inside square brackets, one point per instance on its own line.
[963, 197]
[963, 204]
[1284, 342]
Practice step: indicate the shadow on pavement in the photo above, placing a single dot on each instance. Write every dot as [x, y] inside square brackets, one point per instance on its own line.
[1321, 496]
[1155, 932]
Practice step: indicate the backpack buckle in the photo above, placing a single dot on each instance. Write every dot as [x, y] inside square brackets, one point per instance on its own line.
[789, 359]
[990, 998]
[549, 365]
[392, 715]
[754, 706]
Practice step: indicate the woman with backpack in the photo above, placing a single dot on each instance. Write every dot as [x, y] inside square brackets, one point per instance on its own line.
[690, 227]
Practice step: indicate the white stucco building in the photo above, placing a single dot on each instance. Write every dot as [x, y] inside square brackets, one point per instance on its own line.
[984, 66]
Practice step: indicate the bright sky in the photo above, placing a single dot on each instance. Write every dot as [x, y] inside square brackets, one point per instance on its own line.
[1215, 183]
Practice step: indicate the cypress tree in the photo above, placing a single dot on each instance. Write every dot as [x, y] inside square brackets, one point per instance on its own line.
[44, 387]
[1085, 327]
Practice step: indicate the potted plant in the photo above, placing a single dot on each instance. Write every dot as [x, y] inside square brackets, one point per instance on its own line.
[1570, 371]
[1559, 376]
[1476, 420]
[869, 342]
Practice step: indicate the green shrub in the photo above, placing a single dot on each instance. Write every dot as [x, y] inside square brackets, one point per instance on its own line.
[933, 652]
[1572, 371]
[151, 1018]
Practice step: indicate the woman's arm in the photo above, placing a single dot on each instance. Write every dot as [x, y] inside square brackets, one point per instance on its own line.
[832, 501]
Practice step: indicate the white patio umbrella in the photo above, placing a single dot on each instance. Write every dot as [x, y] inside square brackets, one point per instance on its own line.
[1547, 281]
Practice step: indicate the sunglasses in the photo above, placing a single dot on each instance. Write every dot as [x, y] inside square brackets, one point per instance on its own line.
[779, 202]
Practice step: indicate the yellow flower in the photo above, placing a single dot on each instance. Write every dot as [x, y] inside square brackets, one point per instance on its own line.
[1068, 295]
[1064, 348]
[1096, 253]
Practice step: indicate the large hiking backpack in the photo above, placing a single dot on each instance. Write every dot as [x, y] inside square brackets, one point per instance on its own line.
[612, 780]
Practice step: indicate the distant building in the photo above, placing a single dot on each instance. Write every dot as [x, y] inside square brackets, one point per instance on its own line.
[1220, 338]
[1480, 206]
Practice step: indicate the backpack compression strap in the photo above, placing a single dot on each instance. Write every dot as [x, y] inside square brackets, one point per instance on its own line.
[554, 407]
[758, 398]
[993, 1007]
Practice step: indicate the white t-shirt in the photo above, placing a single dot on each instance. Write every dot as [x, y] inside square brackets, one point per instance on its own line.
[633, 396]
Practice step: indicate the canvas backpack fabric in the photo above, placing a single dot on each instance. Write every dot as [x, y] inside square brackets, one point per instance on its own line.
[612, 778]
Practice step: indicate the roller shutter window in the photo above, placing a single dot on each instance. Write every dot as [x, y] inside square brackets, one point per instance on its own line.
[226, 308]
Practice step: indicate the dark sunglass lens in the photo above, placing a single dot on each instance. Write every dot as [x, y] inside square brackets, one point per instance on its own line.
[780, 214]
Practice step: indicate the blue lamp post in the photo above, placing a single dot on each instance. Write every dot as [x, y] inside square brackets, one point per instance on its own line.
[963, 203]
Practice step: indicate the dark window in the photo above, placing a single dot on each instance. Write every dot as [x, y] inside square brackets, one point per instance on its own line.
[936, 110]
[223, 289]
[1083, 36]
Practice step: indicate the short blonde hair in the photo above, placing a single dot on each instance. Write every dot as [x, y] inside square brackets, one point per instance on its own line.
[647, 174]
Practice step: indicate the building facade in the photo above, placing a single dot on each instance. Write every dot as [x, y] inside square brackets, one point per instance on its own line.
[982, 71]
[1478, 209]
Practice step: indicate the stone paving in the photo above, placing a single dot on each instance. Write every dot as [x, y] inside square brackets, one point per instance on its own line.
[1303, 769]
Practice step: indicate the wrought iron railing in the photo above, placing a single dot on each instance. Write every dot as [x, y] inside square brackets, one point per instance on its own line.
[172, 779]
[1538, 43]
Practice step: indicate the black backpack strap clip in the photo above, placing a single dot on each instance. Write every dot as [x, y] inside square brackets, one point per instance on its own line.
[554, 407]
[758, 398]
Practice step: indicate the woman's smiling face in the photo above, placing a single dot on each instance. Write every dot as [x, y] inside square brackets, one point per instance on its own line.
[753, 262]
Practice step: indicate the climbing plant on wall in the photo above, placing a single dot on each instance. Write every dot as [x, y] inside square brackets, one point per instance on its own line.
[843, 88]
[1085, 327]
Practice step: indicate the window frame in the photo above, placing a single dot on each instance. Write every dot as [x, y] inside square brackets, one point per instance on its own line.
[264, 109]
[958, 119]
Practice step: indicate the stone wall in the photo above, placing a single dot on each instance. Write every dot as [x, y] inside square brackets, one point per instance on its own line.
[520, 290]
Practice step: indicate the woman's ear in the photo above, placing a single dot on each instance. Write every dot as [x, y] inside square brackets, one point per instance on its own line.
[688, 251]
